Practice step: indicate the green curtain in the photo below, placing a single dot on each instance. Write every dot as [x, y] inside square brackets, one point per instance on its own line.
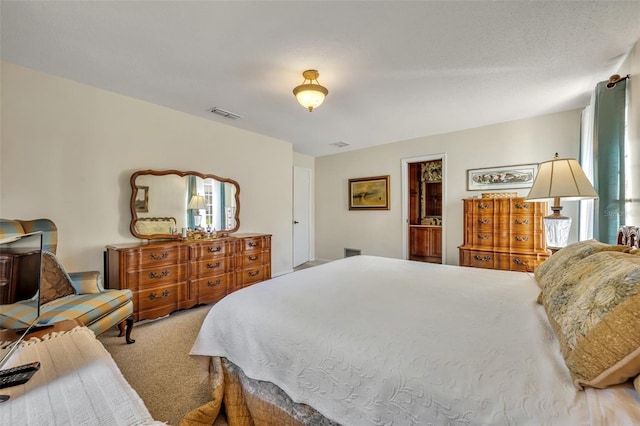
[192, 189]
[608, 160]
[223, 218]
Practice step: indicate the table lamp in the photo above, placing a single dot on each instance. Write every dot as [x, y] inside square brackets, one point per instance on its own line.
[197, 203]
[560, 178]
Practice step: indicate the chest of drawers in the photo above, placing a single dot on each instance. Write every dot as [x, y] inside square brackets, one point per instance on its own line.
[165, 276]
[503, 233]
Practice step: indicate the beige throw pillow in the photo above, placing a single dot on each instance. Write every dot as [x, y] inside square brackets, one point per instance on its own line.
[554, 268]
[593, 308]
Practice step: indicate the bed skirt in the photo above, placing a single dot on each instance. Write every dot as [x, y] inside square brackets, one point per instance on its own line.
[240, 401]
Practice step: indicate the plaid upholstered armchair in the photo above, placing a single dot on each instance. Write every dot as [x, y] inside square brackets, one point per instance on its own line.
[75, 295]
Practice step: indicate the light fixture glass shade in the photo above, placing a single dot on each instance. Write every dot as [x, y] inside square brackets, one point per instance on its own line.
[560, 178]
[310, 95]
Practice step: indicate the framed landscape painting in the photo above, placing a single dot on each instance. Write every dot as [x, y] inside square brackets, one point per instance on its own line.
[505, 177]
[370, 193]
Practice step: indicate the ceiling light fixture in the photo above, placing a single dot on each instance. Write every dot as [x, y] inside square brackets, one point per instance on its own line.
[310, 95]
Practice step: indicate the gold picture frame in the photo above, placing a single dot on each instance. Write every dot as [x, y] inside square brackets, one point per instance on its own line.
[142, 199]
[369, 193]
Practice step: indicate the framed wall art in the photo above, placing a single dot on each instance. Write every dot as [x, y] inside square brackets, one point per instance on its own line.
[142, 199]
[504, 177]
[369, 193]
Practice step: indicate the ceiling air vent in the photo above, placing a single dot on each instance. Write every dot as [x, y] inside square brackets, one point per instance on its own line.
[225, 113]
[339, 144]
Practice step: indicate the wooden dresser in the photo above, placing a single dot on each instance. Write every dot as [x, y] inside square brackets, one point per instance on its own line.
[165, 276]
[503, 233]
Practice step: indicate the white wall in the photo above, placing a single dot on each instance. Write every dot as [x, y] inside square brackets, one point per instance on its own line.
[526, 141]
[68, 151]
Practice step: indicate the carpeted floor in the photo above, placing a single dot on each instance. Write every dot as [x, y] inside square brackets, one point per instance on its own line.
[158, 365]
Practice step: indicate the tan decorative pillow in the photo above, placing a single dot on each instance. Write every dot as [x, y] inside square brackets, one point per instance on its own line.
[55, 282]
[554, 268]
[594, 312]
[636, 384]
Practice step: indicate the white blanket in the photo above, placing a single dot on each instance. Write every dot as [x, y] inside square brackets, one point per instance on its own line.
[377, 341]
[78, 384]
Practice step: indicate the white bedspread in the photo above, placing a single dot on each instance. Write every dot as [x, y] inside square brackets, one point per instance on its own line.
[78, 384]
[377, 341]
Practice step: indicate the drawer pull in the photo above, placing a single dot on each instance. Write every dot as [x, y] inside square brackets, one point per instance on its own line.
[215, 283]
[519, 238]
[484, 237]
[163, 274]
[252, 258]
[254, 273]
[213, 265]
[522, 206]
[481, 258]
[483, 206]
[517, 261]
[485, 221]
[522, 222]
[214, 250]
[154, 296]
[156, 256]
[253, 245]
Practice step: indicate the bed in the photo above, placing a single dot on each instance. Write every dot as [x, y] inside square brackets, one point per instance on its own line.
[377, 341]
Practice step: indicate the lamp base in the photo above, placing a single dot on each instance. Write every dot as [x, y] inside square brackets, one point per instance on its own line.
[557, 228]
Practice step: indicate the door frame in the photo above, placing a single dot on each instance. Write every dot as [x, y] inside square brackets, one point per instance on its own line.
[405, 201]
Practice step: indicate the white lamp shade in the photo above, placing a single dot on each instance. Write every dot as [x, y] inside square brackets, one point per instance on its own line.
[197, 203]
[561, 178]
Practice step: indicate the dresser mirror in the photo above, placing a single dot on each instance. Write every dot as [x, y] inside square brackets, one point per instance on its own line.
[164, 202]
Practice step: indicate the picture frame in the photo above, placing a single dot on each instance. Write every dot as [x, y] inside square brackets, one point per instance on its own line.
[369, 193]
[502, 177]
[142, 199]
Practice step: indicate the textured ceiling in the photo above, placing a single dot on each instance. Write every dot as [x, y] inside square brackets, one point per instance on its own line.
[395, 70]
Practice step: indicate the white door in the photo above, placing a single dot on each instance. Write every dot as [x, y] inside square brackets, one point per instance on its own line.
[301, 215]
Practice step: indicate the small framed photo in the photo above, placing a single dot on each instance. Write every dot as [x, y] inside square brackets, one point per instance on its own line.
[142, 199]
[369, 193]
[504, 177]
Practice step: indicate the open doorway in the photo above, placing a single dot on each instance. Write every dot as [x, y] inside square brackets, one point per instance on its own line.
[423, 189]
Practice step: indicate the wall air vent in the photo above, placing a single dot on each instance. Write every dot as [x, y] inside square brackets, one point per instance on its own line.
[339, 144]
[225, 113]
[348, 252]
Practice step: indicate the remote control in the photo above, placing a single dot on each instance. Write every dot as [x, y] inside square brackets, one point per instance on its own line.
[16, 379]
[24, 368]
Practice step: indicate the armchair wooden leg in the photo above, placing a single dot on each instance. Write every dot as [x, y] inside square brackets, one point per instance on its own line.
[129, 327]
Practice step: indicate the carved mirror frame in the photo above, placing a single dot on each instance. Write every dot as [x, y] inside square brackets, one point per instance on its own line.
[141, 203]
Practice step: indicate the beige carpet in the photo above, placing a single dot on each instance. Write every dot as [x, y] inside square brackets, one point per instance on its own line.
[158, 365]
